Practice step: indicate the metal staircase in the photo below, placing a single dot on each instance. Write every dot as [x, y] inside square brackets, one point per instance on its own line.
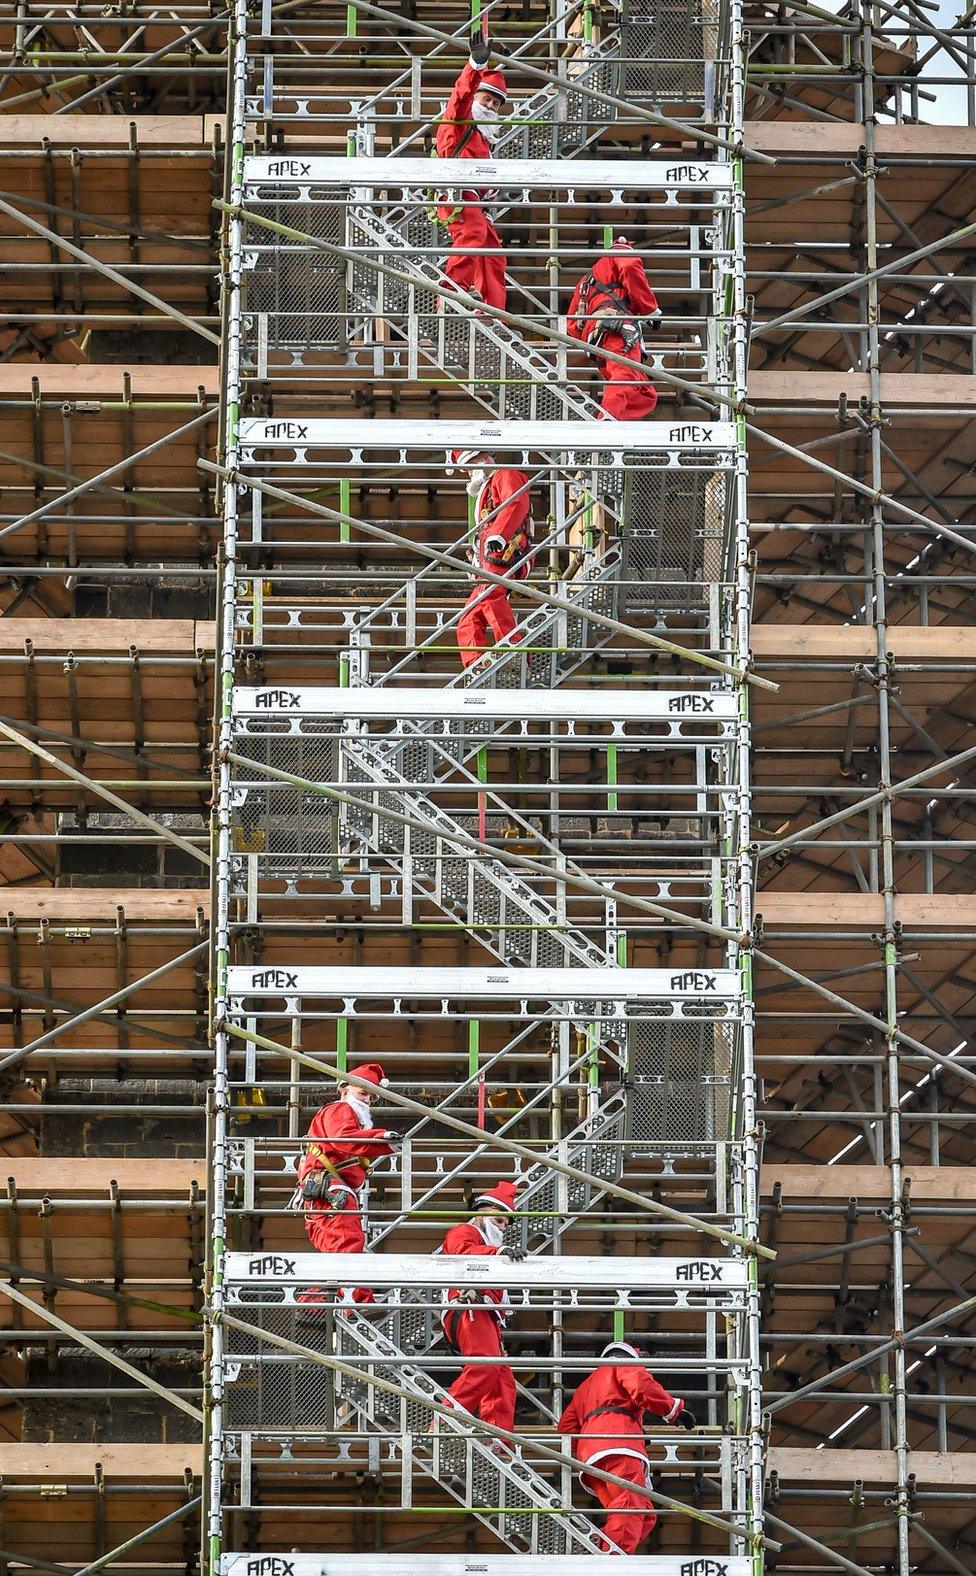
[547, 646]
[511, 379]
[503, 1491]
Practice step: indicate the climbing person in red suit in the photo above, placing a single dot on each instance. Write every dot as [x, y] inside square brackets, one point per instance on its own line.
[342, 1145]
[606, 1421]
[605, 313]
[503, 525]
[470, 125]
[476, 1316]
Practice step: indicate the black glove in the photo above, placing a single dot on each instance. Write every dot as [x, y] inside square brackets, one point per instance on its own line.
[316, 1186]
[515, 1255]
[390, 1137]
[480, 53]
[686, 1418]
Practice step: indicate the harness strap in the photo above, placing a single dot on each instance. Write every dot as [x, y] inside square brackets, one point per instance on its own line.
[604, 1411]
[465, 139]
[334, 1169]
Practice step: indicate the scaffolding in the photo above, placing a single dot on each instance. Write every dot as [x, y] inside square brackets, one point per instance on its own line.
[663, 911]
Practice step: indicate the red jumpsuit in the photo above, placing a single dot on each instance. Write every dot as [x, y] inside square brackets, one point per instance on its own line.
[605, 1418]
[335, 1224]
[504, 535]
[474, 1329]
[628, 394]
[467, 223]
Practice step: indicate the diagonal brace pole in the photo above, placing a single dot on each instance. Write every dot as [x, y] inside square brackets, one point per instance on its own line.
[139, 816]
[897, 1342]
[642, 905]
[179, 1514]
[635, 111]
[559, 1457]
[520, 1151]
[9, 1290]
[541, 598]
[63, 245]
[890, 791]
[95, 482]
[99, 1007]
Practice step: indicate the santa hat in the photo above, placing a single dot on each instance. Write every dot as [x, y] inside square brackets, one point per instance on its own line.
[463, 457]
[502, 1196]
[621, 1349]
[370, 1072]
[621, 240]
[493, 82]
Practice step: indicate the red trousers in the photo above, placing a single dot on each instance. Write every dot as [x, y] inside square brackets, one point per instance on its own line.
[489, 1393]
[473, 228]
[626, 1531]
[338, 1231]
[487, 610]
[628, 394]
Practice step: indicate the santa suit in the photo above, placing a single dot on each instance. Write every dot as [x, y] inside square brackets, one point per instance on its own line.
[504, 535]
[467, 223]
[606, 1419]
[628, 394]
[342, 1138]
[474, 1329]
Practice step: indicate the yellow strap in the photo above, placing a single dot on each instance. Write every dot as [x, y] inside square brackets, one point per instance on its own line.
[354, 1160]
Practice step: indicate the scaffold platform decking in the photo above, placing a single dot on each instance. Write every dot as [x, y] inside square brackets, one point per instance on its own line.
[463, 1565]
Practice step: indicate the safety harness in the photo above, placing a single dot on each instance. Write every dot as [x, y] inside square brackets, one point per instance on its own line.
[517, 547]
[317, 1189]
[438, 199]
[616, 317]
[604, 1411]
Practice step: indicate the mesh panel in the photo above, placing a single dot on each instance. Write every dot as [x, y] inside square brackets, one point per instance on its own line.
[662, 51]
[673, 535]
[546, 130]
[593, 1151]
[421, 238]
[274, 1390]
[681, 1077]
[302, 291]
[294, 826]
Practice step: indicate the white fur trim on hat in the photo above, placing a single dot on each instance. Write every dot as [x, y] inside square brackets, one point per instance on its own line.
[621, 1346]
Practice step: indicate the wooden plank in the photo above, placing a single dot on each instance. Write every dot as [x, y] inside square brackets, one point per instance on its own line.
[57, 1177]
[72, 1462]
[62, 1177]
[802, 138]
[940, 1184]
[92, 382]
[790, 388]
[939, 643]
[865, 911]
[107, 131]
[160, 1463]
[816, 910]
[179, 635]
[896, 388]
[84, 905]
[933, 1469]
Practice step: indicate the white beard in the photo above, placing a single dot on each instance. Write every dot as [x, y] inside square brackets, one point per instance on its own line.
[361, 1110]
[486, 120]
[493, 1233]
[476, 483]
